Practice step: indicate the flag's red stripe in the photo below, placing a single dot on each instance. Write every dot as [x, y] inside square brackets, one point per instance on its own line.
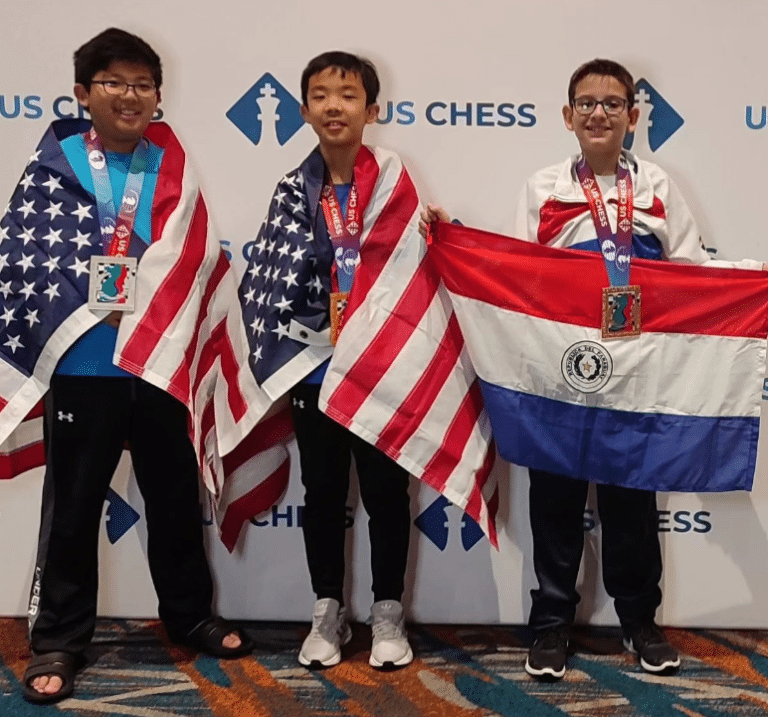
[566, 285]
[172, 293]
[25, 459]
[238, 406]
[384, 348]
[208, 355]
[448, 456]
[424, 393]
[261, 498]
[169, 180]
[269, 432]
[382, 240]
[180, 382]
[3, 403]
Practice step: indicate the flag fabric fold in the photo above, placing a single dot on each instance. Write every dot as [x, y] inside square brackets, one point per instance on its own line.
[676, 408]
[399, 376]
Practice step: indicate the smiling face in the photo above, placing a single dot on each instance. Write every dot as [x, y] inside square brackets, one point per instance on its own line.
[336, 108]
[600, 135]
[119, 120]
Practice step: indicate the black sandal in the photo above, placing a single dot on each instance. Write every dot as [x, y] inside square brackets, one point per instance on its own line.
[208, 635]
[51, 664]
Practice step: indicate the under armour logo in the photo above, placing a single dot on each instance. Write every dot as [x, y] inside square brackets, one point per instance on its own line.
[66, 417]
[298, 402]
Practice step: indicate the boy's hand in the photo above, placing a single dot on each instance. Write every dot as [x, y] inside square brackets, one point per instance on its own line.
[429, 215]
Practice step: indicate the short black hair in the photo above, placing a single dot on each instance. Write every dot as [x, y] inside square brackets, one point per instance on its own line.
[344, 62]
[603, 67]
[115, 45]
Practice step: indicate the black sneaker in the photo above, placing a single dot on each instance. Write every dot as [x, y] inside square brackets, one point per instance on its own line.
[546, 658]
[655, 653]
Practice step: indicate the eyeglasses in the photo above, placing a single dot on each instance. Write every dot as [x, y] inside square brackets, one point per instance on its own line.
[611, 105]
[113, 87]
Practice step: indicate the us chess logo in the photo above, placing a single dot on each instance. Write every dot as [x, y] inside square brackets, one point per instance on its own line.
[435, 523]
[267, 114]
[658, 121]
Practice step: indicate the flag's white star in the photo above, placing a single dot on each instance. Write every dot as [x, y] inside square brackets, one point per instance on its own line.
[28, 289]
[32, 318]
[284, 249]
[271, 246]
[3, 261]
[5, 288]
[27, 235]
[26, 262]
[26, 181]
[82, 212]
[255, 270]
[14, 343]
[27, 208]
[54, 209]
[53, 237]
[308, 236]
[261, 298]
[4, 233]
[317, 284]
[257, 353]
[279, 197]
[261, 245]
[255, 324]
[248, 296]
[290, 279]
[298, 254]
[281, 330]
[298, 207]
[52, 263]
[275, 273]
[52, 184]
[34, 158]
[52, 291]
[284, 304]
[8, 316]
[277, 221]
[293, 227]
[300, 179]
[81, 240]
[290, 179]
[79, 267]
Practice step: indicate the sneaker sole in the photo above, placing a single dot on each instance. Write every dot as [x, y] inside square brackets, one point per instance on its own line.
[406, 659]
[668, 665]
[334, 659]
[545, 672]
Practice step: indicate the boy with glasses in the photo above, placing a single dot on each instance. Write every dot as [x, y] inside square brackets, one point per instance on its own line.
[577, 204]
[108, 205]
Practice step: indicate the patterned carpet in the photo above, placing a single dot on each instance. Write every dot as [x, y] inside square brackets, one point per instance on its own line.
[458, 672]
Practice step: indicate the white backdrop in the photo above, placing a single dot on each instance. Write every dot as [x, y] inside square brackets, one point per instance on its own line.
[506, 66]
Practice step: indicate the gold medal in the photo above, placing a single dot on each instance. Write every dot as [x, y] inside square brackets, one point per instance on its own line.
[621, 312]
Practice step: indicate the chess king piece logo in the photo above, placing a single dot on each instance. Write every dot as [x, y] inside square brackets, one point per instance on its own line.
[267, 113]
[658, 121]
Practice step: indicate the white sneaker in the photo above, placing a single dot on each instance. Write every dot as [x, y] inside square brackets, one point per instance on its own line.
[330, 630]
[390, 646]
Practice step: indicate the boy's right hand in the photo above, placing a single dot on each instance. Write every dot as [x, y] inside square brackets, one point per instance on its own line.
[430, 214]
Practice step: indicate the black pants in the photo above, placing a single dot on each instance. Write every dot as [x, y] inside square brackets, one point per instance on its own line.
[87, 421]
[325, 448]
[630, 546]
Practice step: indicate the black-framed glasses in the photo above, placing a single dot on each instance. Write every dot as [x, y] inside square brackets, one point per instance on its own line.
[611, 105]
[114, 87]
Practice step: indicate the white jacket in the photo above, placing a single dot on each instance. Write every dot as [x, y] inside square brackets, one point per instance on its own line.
[552, 210]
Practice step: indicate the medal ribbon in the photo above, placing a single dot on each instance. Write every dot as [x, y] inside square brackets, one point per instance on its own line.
[115, 230]
[615, 248]
[344, 233]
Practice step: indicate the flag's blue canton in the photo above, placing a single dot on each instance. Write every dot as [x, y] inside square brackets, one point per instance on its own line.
[282, 280]
[46, 237]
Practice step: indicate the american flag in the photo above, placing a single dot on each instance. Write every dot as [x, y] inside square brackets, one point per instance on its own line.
[400, 376]
[185, 335]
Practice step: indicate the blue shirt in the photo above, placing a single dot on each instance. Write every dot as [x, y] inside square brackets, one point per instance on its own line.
[91, 354]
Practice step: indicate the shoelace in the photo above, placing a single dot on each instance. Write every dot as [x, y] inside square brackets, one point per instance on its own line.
[385, 628]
